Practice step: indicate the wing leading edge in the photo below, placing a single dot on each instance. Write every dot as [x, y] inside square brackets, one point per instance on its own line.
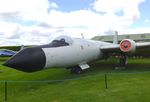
[140, 48]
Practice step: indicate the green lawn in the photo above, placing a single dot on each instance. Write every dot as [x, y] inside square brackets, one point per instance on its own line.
[124, 85]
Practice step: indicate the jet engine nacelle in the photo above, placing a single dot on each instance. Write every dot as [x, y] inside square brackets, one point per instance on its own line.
[128, 46]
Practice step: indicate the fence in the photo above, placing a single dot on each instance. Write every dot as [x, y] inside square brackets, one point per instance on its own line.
[106, 81]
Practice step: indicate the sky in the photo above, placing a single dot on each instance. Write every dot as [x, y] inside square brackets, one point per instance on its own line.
[34, 22]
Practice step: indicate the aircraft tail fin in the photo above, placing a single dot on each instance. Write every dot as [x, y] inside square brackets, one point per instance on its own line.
[22, 47]
[115, 40]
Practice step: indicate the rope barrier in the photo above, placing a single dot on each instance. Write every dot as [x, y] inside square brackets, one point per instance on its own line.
[62, 80]
[70, 79]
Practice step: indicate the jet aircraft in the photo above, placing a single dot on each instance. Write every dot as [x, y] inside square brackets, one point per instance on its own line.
[73, 53]
[6, 52]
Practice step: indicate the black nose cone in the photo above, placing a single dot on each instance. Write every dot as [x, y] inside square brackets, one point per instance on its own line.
[28, 60]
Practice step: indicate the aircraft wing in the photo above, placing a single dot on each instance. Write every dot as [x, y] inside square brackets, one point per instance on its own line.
[140, 48]
[110, 48]
[144, 45]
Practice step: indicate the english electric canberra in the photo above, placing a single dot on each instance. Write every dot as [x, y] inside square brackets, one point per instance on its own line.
[73, 53]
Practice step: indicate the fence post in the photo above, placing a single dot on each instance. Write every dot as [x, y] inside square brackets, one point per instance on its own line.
[106, 86]
[5, 97]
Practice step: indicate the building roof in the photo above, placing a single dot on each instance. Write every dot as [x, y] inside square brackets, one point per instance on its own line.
[136, 37]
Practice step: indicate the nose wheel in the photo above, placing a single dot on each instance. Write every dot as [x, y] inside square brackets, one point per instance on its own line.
[76, 70]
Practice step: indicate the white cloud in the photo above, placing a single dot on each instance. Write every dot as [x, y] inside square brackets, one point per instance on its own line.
[137, 30]
[9, 29]
[26, 9]
[128, 7]
[16, 15]
[53, 5]
[147, 20]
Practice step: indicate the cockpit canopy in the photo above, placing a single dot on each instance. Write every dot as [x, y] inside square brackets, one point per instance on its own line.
[62, 41]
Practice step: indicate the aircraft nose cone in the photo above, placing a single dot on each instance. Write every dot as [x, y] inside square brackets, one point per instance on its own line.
[28, 60]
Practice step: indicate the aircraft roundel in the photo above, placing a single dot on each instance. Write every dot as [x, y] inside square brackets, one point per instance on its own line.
[125, 45]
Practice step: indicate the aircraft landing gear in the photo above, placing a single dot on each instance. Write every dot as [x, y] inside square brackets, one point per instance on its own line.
[76, 70]
[123, 60]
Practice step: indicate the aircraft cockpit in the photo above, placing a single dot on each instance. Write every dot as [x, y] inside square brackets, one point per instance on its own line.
[61, 41]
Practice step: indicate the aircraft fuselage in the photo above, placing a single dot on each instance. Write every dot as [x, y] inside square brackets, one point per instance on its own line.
[76, 52]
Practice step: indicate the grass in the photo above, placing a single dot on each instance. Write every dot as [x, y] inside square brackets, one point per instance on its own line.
[124, 85]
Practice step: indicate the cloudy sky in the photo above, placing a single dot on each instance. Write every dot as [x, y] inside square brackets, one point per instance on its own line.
[31, 22]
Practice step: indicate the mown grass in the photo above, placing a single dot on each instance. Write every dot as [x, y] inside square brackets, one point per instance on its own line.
[124, 85]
